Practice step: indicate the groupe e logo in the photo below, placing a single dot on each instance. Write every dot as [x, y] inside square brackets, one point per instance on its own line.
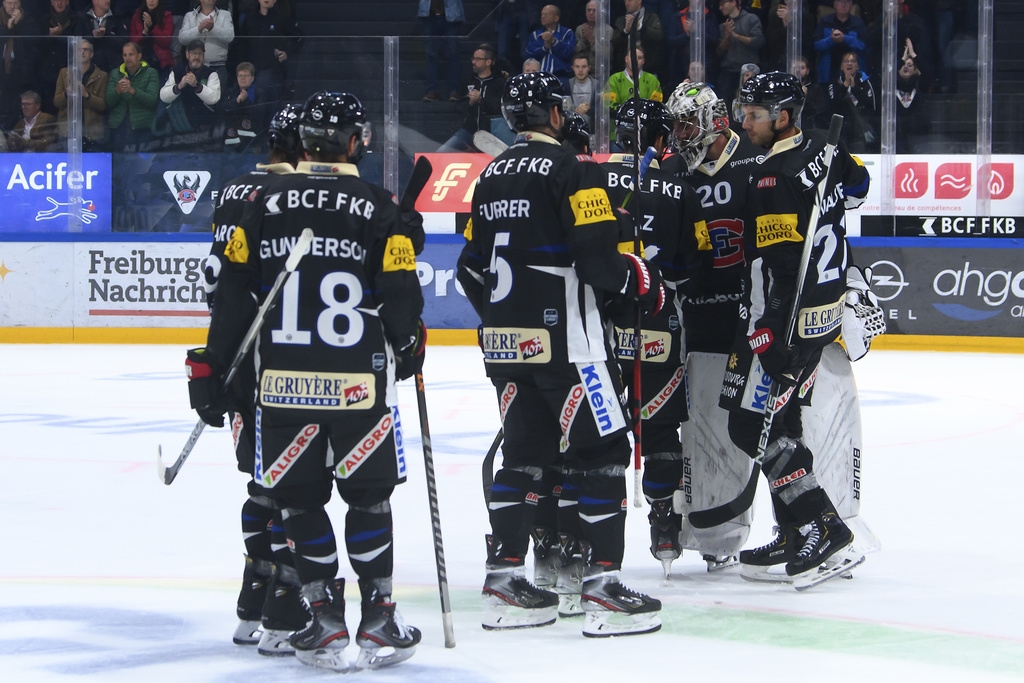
[953, 180]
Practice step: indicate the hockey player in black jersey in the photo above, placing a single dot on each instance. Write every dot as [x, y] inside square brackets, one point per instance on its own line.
[539, 265]
[269, 607]
[783, 189]
[674, 237]
[346, 328]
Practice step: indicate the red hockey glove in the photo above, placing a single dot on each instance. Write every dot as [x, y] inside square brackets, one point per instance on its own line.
[409, 359]
[779, 361]
[645, 284]
[205, 390]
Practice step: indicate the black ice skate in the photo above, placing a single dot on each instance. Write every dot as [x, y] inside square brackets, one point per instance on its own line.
[283, 613]
[666, 525]
[255, 578]
[322, 643]
[383, 637]
[510, 601]
[827, 552]
[764, 564]
[545, 558]
[610, 608]
[569, 585]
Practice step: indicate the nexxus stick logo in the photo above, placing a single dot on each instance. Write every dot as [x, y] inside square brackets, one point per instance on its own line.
[187, 187]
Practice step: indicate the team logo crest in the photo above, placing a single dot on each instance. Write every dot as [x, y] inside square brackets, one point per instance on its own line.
[187, 187]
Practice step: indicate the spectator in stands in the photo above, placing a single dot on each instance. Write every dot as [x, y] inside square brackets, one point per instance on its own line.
[777, 33]
[441, 21]
[178, 10]
[853, 96]
[909, 120]
[270, 39]
[586, 33]
[484, 98]
[20, 57]
[678, 33]
[195, 88]
[36, 131]
[911, 25]
[530, 66]
[621, 84]
[817, 109]
[213, 26]
[836, 34]
[583, 89]
[93, 91]
[651, 36]
[109, 33]
[151, 28]
[747, 71]
[132, 95]
[741, 43]
[552, 44]
[512, 20]
[53, 53]
[243, 105]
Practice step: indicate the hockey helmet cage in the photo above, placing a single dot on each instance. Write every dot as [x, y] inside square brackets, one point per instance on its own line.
[528, 97]
[654, 122]
[284, 130]
[577, 133]
[328, 122]
[705, 117]
[775, 91]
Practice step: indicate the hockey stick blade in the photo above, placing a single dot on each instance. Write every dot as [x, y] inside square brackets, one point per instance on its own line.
[299, 249]
[488, 143]
[417, 181]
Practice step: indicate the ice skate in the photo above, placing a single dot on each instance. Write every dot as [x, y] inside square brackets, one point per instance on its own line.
[569, 585]
[765, 564]
[611, 609]
[545, 558]
[283, 613]
[383, 637]
[827, 552]
[510, 600]
[255, 578]
[717, 563]
[322, 643]
[665, 527]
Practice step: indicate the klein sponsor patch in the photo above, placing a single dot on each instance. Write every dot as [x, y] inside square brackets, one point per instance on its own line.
[289, 456]
[601, 396]
[767, 181]
[399, 254]
[237, 249]
[317, 390]
[819, 321]
[777, 227]
[516, 345]
[591, 206]
[367, 446]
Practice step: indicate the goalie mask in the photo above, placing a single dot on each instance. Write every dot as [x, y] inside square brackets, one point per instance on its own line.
[863, 318]
[699, 117]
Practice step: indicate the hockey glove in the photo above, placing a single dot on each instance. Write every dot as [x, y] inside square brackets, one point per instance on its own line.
[205, 391]
[863, 318]
[412, 221]
[409, 359]
[780, 362]
[645, 283]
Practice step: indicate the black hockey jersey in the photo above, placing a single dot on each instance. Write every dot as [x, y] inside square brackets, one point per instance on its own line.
[326, 347]
[540, 258]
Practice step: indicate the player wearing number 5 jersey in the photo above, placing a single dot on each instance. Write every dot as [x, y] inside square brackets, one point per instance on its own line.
[539, 265]
[347, 325]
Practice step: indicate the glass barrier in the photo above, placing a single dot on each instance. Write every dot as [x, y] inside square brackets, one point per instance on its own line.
[137, 147]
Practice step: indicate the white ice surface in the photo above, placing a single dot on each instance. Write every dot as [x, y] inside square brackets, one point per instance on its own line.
[108, 575]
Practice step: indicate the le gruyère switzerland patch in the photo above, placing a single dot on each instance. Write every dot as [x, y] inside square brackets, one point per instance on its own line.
[317, 390]
[237, 249]
[773, 228]
[591, 206]
[516, 345]
[817, 321]
[399, 254]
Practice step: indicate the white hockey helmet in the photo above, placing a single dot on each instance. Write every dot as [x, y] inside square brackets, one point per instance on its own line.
[696, 104]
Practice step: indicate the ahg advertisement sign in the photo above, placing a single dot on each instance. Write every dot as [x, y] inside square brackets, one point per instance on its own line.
[976, 292]
[38, 192]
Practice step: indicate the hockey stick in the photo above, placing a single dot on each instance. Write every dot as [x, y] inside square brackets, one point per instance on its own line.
[488, 143]
[417, 181]
[775, 395]
[167, 474]
[435, 515]
[487, 466]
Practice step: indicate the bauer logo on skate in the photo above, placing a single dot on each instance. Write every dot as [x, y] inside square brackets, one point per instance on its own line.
[819, 321]
[290, 455]
[516, 345]
[777, 227]
[317, 390]
[367, 446]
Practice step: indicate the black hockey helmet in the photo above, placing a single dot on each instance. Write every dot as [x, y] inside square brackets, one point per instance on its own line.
[328, 122]
[577, 133]
[284, 130]
[528, 97]
[775, 91]
[655, 122]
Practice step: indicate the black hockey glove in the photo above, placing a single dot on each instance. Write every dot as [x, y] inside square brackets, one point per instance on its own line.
[781, 362]
[409, 359]
[644, 282]
[205, 388]
[413, 223]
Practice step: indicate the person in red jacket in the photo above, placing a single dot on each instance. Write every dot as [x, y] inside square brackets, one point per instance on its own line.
[152, 28]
